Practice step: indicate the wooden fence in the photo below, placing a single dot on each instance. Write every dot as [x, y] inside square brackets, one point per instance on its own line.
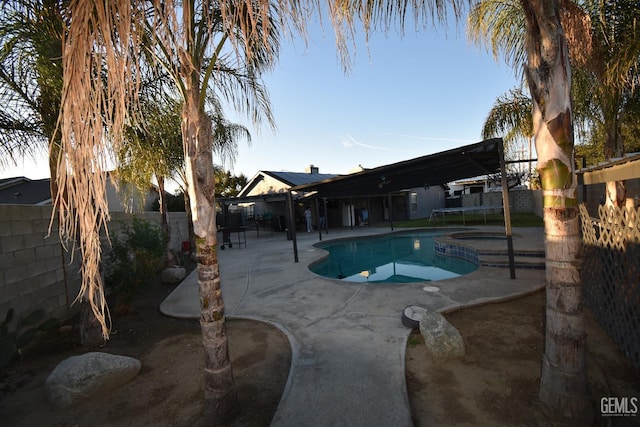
[611, 274]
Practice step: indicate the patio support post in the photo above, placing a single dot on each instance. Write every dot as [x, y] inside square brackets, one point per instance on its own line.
[292, 225]
[507, 209]
[318, 216]
[390, 210]
[326, 215]
[369, 211]
[351, 212]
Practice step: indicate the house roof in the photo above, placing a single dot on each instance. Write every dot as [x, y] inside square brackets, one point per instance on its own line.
[24, 191]
[299, 178]
[289, 179]
[435, 169]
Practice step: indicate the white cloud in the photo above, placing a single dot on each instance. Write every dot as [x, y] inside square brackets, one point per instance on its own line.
[348, 141]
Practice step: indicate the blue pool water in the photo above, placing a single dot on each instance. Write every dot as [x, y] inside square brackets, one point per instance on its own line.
[394, 258]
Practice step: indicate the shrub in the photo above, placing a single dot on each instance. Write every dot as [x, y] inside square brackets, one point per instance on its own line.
[135, 259]
[26, 330]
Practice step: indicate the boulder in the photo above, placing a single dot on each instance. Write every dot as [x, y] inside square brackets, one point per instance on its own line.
[172, 275]
[79, 378]
[442, 339]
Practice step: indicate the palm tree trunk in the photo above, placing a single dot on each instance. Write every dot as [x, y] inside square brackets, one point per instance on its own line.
[563, 385]
[164, 216]
[164, 220]
[616, 192]
[220, 393]
[190, 232]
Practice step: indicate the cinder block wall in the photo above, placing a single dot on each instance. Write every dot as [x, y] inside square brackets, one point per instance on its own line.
[37, 272]
[177, 225]
[521, 201]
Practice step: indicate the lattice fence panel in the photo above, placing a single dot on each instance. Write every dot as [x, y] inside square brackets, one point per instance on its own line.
[611, 274]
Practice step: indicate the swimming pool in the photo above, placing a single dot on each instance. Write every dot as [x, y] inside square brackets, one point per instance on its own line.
[393, 258]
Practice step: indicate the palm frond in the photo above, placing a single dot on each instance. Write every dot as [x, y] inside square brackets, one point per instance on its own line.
[511, 113]
[500, 25]
[101, 48]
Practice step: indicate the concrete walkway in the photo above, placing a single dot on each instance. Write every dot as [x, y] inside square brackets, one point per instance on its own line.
[347, 339]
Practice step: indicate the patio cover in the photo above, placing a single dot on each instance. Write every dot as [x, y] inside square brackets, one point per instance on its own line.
[481, 158]
[463, 162]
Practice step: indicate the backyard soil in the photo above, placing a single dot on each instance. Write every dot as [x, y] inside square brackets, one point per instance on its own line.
[496, 383]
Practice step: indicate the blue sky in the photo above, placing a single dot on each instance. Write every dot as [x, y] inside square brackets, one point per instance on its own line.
[404, 97]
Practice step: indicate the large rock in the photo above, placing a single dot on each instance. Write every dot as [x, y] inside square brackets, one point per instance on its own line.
[173, 275]
[81, 377]
[442, 339]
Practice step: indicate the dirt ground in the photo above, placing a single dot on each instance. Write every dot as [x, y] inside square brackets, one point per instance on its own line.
[168, 391]
[496, 383]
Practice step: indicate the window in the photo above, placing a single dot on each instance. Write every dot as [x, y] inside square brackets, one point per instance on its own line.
[413, 198]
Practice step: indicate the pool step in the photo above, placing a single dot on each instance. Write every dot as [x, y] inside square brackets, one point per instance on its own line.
[524, 260]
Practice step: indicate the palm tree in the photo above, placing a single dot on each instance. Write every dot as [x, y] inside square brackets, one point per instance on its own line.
[563, 385]
[152, 148]
[95, 33]
[30, 79]
[602, 99]
[609, 80]
[202, 70]
[199, 56]
[510, 117]
[605, 65]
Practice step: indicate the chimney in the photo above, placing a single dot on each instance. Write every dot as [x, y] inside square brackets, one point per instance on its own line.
[312, 169]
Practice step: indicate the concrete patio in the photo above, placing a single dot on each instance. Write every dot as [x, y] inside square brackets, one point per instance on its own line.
[347, 339]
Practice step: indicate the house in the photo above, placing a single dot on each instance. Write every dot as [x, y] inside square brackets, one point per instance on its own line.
[269, 182]
[265, 196]
[24, 191]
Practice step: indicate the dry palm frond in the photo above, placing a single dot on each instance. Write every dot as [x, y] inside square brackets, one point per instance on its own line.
[98, 83]
[576, 25]
[500, 25]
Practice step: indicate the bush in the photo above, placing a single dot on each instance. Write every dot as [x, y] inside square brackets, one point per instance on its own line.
[135, 259]
[26, 330]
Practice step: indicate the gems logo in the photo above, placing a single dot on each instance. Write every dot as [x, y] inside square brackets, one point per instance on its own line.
[619, 406]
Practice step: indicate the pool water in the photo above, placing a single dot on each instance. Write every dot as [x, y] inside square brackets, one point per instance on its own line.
[393, 258]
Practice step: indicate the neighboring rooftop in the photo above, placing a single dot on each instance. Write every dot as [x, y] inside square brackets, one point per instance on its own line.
[271, 182]
[299, 178]
[24, 191]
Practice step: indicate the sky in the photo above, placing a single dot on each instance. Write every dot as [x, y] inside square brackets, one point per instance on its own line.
[403, 97]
